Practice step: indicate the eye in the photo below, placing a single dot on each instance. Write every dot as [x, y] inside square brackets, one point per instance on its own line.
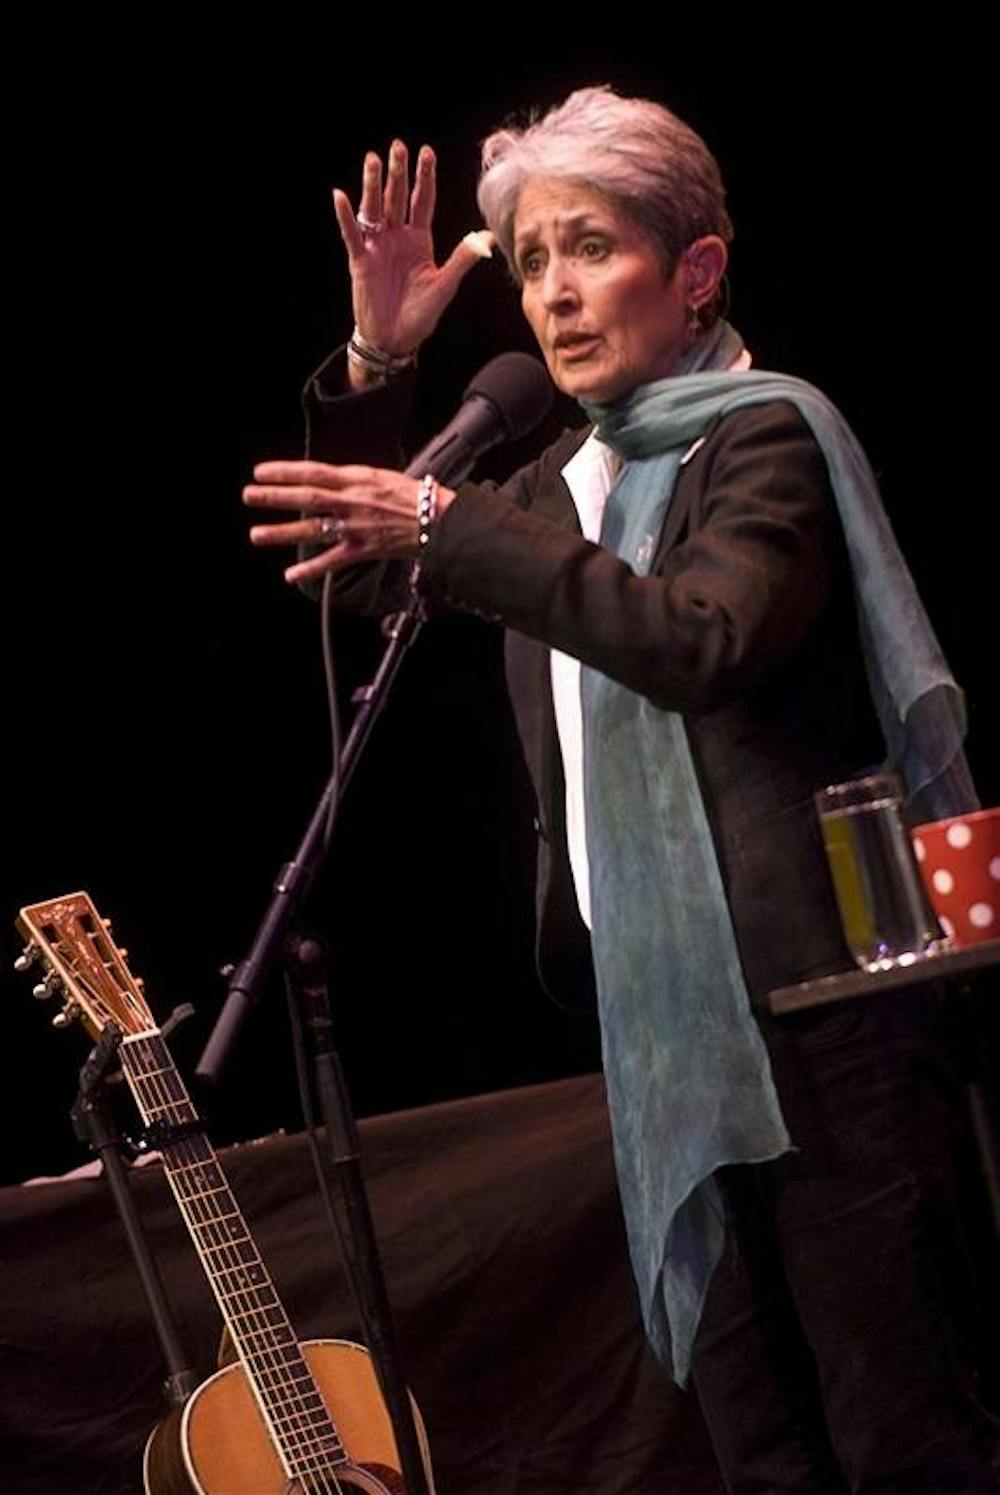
[531, 264]
[593, 249]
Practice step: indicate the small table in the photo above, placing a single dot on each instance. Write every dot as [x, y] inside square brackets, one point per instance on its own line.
[944, 965]
[955, 966]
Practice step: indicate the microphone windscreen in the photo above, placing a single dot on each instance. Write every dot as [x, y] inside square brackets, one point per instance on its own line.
[520, 389]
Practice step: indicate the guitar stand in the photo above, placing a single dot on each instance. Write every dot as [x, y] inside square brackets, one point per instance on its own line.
[92, 1122]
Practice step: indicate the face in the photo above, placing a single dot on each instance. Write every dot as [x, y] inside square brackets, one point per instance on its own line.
[593, 289]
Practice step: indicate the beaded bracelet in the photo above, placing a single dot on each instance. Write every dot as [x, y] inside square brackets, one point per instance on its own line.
[427, 497]
[376, 360]
[427, 502]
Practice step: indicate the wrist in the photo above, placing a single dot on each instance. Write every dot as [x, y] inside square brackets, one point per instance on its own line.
[361, 377]
[369, 365]
[446, 497]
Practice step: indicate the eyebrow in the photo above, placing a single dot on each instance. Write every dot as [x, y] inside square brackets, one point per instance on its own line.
[574, 221]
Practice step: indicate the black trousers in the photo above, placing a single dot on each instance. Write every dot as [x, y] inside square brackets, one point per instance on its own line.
[834, 1351]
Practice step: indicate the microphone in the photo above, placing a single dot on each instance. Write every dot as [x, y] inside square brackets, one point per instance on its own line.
[508, 398]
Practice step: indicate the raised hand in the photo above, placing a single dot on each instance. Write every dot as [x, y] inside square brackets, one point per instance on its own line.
[398, 292]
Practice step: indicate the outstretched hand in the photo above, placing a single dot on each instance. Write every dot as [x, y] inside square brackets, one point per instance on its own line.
[350, 513]
[398, 291]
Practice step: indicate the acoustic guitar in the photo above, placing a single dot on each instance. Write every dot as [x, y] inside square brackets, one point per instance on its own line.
[287, 1416]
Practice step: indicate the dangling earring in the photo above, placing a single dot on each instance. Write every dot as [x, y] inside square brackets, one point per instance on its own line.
[693, 324]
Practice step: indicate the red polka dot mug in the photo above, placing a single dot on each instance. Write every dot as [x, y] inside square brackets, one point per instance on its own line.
[959, 860]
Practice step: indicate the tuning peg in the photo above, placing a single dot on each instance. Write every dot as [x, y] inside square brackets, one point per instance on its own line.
[68, 1015]
[27, 958]
[106, 923]
[48, 987]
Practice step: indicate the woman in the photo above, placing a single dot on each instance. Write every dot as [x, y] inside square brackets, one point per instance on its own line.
[683, 628]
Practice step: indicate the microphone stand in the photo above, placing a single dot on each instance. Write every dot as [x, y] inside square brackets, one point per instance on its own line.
[509, 397]
[274, 946]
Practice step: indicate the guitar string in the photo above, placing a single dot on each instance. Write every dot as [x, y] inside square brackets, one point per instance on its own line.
[86, 936]
[85, 944]
[296, 1428]
[298, 1432]
[293, 1421]
[190, 1167]
[279, 1374]
[110, 966]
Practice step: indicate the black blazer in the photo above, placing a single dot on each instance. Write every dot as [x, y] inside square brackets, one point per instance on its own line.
[745, 624]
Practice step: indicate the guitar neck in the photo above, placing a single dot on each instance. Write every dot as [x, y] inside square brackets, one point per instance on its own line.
[288, 1397]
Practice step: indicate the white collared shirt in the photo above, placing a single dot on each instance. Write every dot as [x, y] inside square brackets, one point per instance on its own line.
[589, 475]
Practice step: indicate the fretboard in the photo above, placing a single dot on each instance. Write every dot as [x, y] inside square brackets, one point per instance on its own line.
[287, 1394]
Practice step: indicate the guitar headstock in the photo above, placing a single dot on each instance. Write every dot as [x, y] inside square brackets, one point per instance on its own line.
[83, 965]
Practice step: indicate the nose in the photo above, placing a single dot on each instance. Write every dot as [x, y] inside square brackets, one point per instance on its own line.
[559, 288]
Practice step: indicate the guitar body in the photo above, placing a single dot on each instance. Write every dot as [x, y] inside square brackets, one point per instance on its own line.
[217, 1444]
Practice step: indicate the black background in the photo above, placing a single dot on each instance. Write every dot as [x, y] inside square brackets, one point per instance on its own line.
[175, 274]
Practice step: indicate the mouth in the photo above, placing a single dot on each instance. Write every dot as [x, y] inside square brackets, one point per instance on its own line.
[573, 347]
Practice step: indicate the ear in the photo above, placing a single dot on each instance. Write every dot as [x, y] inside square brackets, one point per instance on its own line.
[704, 266]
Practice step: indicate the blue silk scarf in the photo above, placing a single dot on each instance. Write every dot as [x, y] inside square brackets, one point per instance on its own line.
[688, 1076]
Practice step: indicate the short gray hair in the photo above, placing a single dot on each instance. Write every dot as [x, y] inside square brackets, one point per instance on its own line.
[651, 165]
